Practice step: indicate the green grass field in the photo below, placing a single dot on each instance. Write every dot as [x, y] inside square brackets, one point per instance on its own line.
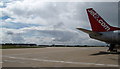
[14, 47]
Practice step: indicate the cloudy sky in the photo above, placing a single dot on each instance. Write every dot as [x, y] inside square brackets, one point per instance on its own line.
[35, 21]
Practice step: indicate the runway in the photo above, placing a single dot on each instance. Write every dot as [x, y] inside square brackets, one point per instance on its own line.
[59, 57]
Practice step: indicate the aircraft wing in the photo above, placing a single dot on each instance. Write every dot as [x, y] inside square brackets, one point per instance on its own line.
[89, 32]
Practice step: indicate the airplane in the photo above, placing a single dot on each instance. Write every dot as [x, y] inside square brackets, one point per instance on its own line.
[102, 31]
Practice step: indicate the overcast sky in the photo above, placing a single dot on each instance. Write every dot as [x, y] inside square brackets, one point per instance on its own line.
[34, 21]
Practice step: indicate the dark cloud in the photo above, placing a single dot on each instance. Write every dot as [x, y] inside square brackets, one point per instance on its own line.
[9, 33]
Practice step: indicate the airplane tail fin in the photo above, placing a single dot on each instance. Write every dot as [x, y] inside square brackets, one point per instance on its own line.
[98, 24]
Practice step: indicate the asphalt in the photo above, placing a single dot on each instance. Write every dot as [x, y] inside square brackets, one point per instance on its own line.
[59, 57]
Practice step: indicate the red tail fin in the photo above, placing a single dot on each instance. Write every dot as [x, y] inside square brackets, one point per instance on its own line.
[98, 24]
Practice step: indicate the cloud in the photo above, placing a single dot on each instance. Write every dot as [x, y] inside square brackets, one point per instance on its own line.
[46, 13]
[34, 21]
[45, 35]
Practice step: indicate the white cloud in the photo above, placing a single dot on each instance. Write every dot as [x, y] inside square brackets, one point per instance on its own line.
[1, 4]
[45, 35]
[57, 22]
[37, 12]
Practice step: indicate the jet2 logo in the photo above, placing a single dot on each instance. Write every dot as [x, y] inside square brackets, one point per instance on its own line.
[97, 17]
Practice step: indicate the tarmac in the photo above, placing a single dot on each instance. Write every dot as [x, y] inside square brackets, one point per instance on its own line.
[59, 57]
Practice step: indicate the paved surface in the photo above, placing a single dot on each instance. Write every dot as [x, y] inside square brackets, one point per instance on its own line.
[59, 57]
[0, 58]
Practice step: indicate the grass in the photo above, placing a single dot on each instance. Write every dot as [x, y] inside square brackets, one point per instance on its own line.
[14, 47]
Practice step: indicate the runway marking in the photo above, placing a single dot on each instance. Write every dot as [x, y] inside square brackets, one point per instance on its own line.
[12, 61]
[58, 61]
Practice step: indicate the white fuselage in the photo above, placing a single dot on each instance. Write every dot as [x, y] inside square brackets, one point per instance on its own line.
[110, 37]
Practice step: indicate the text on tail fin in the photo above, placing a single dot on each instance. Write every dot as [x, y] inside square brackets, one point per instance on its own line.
[98, 24]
